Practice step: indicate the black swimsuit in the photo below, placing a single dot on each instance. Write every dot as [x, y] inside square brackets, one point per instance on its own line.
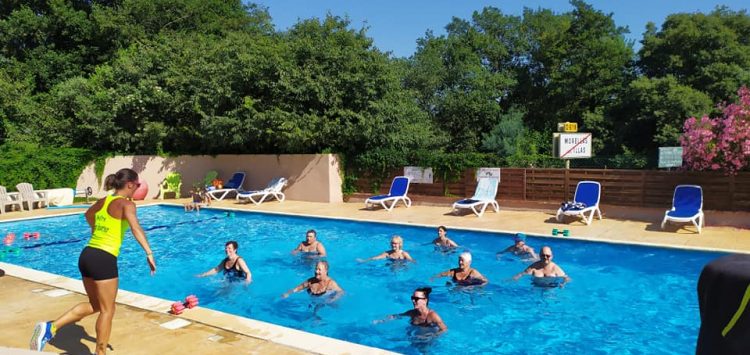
[423, 323]
[233, 271]
[325, 290]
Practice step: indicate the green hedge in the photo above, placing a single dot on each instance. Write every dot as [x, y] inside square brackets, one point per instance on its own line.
[43, 167]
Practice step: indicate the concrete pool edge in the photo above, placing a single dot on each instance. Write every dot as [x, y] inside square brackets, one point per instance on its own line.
[277, 334]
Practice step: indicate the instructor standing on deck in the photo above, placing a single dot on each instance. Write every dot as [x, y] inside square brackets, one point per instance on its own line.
[108, 218]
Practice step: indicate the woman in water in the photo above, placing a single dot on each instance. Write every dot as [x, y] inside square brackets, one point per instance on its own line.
[464, 274]
[421, 315]
[442, 240]
[109, 219]
[233, 266]
[396, 253]
[318, 285]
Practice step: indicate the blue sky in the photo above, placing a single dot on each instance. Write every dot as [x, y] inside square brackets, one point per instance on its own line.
[395, 26]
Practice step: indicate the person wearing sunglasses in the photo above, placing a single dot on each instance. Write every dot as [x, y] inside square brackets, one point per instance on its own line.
[464, 274]
[442, 241]
[396, 253]
[109, 219]
[421, 315]
[519, 248]
[545, 269]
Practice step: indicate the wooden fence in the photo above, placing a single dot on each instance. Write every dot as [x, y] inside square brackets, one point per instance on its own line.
[650, 188]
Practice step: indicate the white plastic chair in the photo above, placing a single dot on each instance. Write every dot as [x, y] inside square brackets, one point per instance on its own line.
[9, 199]
[29, 196]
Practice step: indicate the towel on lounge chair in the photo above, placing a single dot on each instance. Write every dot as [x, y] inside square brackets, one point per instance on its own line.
[573, 205]
[585, 202]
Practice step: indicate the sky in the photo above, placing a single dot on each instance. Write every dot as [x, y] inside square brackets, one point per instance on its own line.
[395, 26]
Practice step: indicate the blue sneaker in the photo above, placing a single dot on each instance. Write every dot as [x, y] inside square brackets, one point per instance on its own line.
[42, 334]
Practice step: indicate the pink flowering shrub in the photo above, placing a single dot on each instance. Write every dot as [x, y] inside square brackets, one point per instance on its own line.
[721, 143]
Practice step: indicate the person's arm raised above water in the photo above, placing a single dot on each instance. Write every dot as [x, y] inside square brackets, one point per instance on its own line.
[298, 249]
[532, 253]
[561, 273]
[299, 288]
[506, 250]
[407, 256]
[321, 250]
[452, 244]
[391, 317]
[475, 274]
[129, 214]
[527, 271]
[382, 255]
[442, 274]
[213, 270]
[435, 318]
[243, 266]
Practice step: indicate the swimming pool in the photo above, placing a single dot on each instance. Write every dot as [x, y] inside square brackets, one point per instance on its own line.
[623, 299]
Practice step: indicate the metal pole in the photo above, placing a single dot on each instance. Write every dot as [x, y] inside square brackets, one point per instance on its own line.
[567, 164]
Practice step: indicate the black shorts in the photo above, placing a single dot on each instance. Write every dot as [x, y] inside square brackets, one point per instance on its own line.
[97, 264]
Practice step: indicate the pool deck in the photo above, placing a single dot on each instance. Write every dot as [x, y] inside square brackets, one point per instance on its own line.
[29, 296]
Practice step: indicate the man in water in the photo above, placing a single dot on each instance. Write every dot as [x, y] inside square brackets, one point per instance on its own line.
[544, 268]
[520, 248]
[311, 246]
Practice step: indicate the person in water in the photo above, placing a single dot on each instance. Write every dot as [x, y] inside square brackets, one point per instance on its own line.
[544, 267]
[233, 266]
[464, 274]
[396, 253]
[520, 248]
[421, 315]
[109, 219]
[311, 245]
[442, 240]
[199, 198]
[318, 285]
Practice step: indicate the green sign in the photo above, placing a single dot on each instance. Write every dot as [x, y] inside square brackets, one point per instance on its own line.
[670, 157]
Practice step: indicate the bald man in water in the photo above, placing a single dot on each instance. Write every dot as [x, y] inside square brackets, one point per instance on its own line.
[544, 267]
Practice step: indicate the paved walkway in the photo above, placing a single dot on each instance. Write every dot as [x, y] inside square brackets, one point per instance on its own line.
[138, 331]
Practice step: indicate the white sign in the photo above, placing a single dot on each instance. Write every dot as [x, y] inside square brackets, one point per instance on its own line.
[574, 145]
[488, 172]
[418, 175]
[670, 157]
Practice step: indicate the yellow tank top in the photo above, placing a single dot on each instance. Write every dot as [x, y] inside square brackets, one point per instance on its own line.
[108, 231]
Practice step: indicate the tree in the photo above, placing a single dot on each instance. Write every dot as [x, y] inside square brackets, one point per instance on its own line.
[653, 111]
[708, 52]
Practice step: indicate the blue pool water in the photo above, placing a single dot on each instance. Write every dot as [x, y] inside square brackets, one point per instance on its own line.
[623, 299]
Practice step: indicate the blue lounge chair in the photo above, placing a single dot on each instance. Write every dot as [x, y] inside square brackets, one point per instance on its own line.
[585, 200]
[399, 188]
[273, 189]
[483, 196]
[687, 206]
[233, 185]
